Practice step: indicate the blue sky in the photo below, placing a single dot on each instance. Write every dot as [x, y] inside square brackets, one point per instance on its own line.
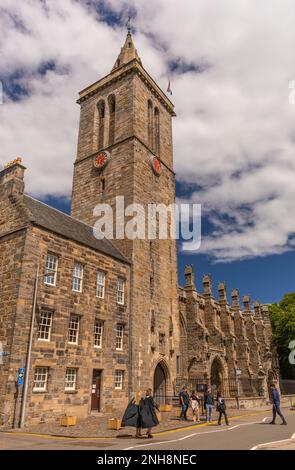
[234, 135]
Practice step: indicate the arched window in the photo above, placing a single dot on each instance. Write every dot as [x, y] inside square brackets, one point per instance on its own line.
[157, 131]
[112, 122]
[150, 124]
[101, 118]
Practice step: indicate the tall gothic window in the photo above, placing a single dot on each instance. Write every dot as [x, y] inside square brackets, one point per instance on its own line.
[157, 131]
[101, 119]
[112, 113]
[150, 124]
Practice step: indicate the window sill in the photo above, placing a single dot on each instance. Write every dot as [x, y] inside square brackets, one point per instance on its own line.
[70, 392]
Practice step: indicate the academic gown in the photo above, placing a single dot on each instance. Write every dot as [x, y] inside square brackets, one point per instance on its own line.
[147, 413]
[131, 415]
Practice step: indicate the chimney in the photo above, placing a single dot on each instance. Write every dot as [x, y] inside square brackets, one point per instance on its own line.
[12, 179]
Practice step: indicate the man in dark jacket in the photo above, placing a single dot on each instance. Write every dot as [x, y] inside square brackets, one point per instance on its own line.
[184, 401]
[276, 402]
[147, 412]
[221, 408]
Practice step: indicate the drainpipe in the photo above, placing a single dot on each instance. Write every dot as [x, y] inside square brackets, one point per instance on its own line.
[29, 354]
[130, 368]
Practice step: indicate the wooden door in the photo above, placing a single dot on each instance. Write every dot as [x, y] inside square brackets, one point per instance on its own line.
[95, 390]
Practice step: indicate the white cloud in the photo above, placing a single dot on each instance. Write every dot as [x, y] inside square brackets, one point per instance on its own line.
[235, 131]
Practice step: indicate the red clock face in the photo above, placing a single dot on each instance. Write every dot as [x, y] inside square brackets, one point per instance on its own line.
[156, 166]
[101, 160]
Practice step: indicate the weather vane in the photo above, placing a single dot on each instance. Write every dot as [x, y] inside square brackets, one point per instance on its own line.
[128, 24]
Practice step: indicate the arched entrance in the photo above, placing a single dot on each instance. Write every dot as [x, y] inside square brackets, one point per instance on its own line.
[160, 385]
[216, 375]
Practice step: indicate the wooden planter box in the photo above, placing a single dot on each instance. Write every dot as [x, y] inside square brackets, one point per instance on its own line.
[114, 423]
[68, 421]
[165, 407]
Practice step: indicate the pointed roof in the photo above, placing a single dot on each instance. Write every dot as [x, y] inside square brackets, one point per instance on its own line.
[128, 53]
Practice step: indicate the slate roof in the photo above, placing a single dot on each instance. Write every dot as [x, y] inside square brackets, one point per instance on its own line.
[65, 225]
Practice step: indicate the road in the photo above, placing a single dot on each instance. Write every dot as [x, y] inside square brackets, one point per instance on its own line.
[245, 432]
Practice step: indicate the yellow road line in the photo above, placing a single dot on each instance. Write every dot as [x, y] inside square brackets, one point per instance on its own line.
[160, 433]
[187, 428]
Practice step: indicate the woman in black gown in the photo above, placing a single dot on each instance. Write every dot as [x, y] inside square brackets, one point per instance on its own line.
[147, 412]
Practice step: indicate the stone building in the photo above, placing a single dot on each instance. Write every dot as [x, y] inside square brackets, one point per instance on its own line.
[110, 318]
[224, 346]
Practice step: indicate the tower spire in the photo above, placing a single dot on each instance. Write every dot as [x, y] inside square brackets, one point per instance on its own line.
[128, 51]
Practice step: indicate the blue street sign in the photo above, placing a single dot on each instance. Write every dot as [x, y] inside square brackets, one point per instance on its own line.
[20, 377]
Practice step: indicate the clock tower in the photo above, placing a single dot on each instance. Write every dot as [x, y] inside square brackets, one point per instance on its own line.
[125, 149]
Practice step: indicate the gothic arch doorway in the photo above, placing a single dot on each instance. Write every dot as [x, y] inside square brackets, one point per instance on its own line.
[216, 375]
[160, 384]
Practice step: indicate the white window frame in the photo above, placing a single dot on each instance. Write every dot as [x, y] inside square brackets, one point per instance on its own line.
[100, 284]
[98, 332]
[40, 377]
[119, 337]
[51, 266]
[71, 379]
[47, 316]
[120, 291]
[119, 379]
[77, 276]
[74, 317]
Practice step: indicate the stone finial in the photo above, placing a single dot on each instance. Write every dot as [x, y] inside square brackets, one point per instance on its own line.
[128, 52]
[12, 178]
[257, 311]
[222, 292]
[265, 312]
[189, 276]
[207, 284]
[235, 298]
[246, 302]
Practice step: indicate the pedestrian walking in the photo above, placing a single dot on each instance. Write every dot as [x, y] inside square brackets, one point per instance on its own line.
[221, 408]
[276, 404]
[209, 405]
[184, 401]
[147, 412]
[195, 405]
[131, 416]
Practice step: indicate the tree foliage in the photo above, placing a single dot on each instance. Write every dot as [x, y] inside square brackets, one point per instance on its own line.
[282, 317]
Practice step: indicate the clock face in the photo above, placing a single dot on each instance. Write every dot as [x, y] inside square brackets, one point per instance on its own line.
[156, 165]
[101, 160]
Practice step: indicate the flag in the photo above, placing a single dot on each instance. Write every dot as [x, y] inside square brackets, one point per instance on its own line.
[169, 89]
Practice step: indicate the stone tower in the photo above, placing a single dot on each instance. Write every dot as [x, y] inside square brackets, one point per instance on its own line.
[125, 149]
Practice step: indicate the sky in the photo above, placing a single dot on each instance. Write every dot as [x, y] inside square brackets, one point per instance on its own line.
[230, 65]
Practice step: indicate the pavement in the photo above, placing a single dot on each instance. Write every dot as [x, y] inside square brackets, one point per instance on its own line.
[248, 431]
[96, 425]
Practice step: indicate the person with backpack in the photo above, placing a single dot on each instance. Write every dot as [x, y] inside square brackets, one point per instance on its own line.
[221, 408]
